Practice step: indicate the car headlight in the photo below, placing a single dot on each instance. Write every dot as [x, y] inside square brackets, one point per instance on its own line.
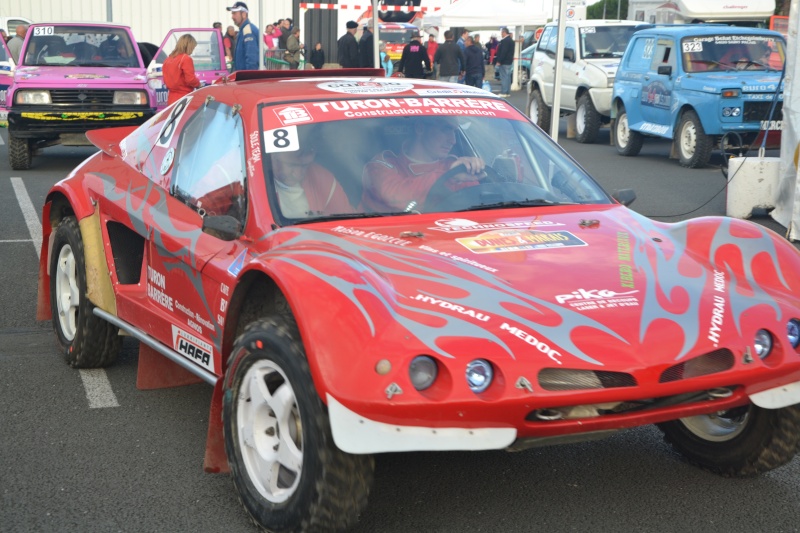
[32, 97]
[130, 98]
[479, 375]
[763, 343]
[793, 332]
[731, 111]
[422, 371]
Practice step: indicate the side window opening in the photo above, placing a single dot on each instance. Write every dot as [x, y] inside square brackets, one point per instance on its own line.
[210, 170]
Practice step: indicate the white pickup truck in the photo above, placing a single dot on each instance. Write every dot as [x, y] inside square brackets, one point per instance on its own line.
[592, 52]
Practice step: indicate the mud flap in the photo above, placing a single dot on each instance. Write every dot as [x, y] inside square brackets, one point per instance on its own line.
[216, 460]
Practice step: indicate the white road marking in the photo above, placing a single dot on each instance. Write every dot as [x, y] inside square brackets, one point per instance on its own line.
[98, 389]
[16, 240]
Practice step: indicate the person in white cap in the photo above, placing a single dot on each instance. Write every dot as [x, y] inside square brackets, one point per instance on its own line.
[245, 54]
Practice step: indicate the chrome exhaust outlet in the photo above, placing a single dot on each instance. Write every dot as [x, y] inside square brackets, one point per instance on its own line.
[548, 414]
[720, 392]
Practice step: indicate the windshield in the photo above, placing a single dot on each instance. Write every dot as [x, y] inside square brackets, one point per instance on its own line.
[395, 36]
[605, 41]
[732, 52]
[395, 156]
[85, 46]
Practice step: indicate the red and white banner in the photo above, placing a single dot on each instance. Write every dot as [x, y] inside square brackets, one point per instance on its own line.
[418, 9]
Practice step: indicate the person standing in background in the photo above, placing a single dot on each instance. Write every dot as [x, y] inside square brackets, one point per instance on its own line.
[462, 41]
[475, 69]
[432, 46]
[503, 60]
[414, 61]
[15, 43]
[178, 69]
[245, 53]
[450, 59]
[317, 58]
[365, 47]
[285, 27]
[348, 47]
[386, 61]
[269, 39]
[294, 49]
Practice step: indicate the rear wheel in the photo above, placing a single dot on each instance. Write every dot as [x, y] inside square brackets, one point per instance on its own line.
[86, 340]
[538, 110]
[740, 442]
[628, 142]
[587, 120]
[694, 146]
[19, 153]
[289, 474]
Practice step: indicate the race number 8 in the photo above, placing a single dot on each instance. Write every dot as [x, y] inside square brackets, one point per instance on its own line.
[172, 122]
[281, 140]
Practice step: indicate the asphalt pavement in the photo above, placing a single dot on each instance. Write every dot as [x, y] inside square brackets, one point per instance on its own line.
[134, 464]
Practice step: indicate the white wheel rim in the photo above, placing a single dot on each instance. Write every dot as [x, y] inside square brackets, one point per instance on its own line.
[533, 110]
[580, 119]
[67, 295]
[623, 133]
[716, 427]
[688, 139]
[269, 431]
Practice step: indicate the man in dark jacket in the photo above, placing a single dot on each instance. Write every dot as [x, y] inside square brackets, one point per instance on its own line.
[415, 55]
[503, 60]
[450, 59]
[348, 47]
[475, 69]
[365, 47]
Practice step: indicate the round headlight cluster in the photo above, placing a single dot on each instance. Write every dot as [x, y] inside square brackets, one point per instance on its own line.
[479, 375]
[793, 332]
[731, 111]
[763, 343]
[422, 371]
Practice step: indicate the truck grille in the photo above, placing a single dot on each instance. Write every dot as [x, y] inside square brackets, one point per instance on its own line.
[758, 111]
[82, 97]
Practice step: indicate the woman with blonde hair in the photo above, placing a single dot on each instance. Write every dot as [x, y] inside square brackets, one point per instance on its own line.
[178, 69]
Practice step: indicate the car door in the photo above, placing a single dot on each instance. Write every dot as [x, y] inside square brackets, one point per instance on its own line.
[6, 77]
[570, 70]
[635, 66]
[658, 84]
[208, 57]
[544, 62]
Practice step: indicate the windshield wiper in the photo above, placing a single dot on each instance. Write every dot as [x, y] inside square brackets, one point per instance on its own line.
[340, 216]
[535, 202]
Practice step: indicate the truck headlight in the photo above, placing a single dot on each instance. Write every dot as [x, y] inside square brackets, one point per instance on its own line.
[610, 82]
[32, 98]
[130, 98]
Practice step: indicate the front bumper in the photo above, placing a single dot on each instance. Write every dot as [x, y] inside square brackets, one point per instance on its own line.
[41, 122]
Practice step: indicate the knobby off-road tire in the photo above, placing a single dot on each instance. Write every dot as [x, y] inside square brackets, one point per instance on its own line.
[19, 153]
[693, 145]
[538, 110]
[288, 473]
[627, 141]
[86, 340]
[587, 120]
[743, 442]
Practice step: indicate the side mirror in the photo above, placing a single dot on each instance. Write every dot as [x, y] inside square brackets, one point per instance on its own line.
[569, 54]
[665, 70]
[223, 227]
[624, 196]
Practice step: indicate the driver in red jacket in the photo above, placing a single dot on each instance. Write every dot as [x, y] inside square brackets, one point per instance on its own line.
[401, 182]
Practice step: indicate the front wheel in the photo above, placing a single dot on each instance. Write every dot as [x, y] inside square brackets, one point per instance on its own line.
[20, 154]
[289, 474]
[86, 340]
[587, 120]
[694, 146]
[740, 442]
[627, 141]
[538, 110]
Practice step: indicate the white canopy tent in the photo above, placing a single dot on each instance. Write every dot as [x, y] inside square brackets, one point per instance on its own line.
[478, 14]
[787, 203]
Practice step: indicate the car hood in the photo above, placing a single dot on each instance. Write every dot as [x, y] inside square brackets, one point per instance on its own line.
[607, 66]
[69, 77]
[755, 81]
[582, 287]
